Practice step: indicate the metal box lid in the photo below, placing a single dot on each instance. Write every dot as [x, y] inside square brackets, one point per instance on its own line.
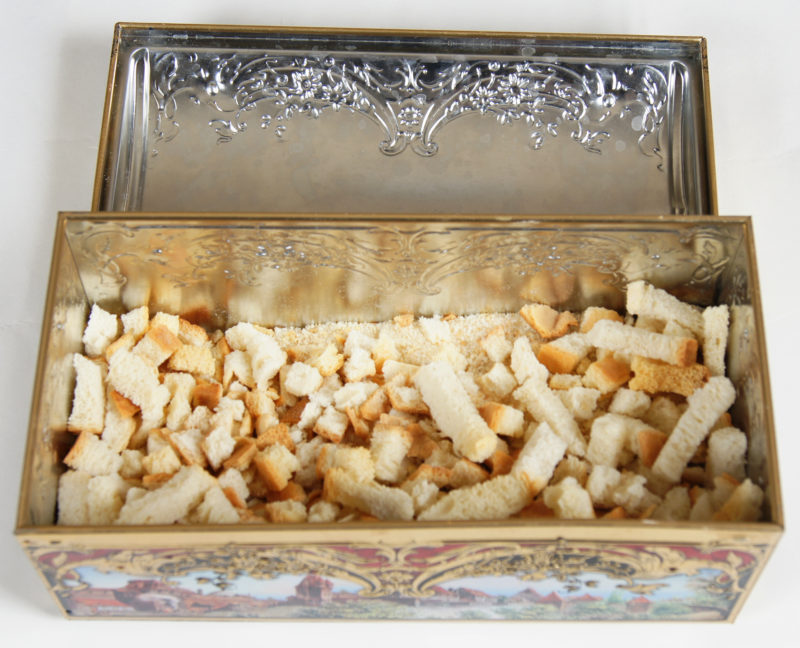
[242, 119]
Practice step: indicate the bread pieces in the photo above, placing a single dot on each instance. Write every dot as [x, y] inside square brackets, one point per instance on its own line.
[435, 418]
[453, 411]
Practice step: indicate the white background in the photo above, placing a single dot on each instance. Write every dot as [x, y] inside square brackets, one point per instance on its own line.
[54, 63]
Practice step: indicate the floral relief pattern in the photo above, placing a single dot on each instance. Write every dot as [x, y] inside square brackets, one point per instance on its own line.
[416, 257]
[411, 100]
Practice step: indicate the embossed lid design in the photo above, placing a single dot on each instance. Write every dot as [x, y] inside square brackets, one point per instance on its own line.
[201, 119]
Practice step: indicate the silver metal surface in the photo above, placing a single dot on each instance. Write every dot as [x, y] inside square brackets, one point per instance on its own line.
[203, 119]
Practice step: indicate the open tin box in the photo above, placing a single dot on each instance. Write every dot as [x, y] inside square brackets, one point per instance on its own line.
[282, 266]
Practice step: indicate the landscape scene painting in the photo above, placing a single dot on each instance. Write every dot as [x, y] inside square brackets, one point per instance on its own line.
[589, 596]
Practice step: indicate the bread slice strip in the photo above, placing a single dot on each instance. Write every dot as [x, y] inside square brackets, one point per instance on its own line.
[89, 397]
[607, 334]
[706, 405]
[645, 299]
[172, 501]
[454, 412]
[716, 322]
[495, 499]
[594, 314]
[539, 457]
[384, 502]
[546, 406]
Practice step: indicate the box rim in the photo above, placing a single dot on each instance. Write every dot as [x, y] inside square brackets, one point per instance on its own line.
[769, 529]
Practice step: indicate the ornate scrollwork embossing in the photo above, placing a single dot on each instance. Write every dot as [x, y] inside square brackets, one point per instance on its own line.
[410, 100]
[417, 257]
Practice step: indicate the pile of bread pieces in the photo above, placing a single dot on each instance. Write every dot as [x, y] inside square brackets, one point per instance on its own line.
[535, 414]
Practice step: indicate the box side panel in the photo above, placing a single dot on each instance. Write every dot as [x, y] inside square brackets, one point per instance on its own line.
[298, 271]
[64, 320]
[483, 580]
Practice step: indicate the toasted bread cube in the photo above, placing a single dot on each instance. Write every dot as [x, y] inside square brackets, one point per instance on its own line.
[495, 345]
[286, 512]
[524, 362]
[743, 505]
[546, 406]
[216, 508]
[100, 330]
[503, 419]
[302, 379]
[73, 498]
[136, 321]
[359, 365]
[389, 446]
[561, 356]
[332, 424]
[607, 334]
[607, 374]
[275, 465]
[546, 321]
[322, 511]
[499, 382]
[164, 460]
[676, 505]
[157, 345]
[629, 402]
[466, 473]
[91, 455]
[197, 360]
[594, 314]
[568, 500]
[581, 402]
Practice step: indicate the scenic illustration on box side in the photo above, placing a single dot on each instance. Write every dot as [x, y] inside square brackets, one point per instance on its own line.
[478, 581]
